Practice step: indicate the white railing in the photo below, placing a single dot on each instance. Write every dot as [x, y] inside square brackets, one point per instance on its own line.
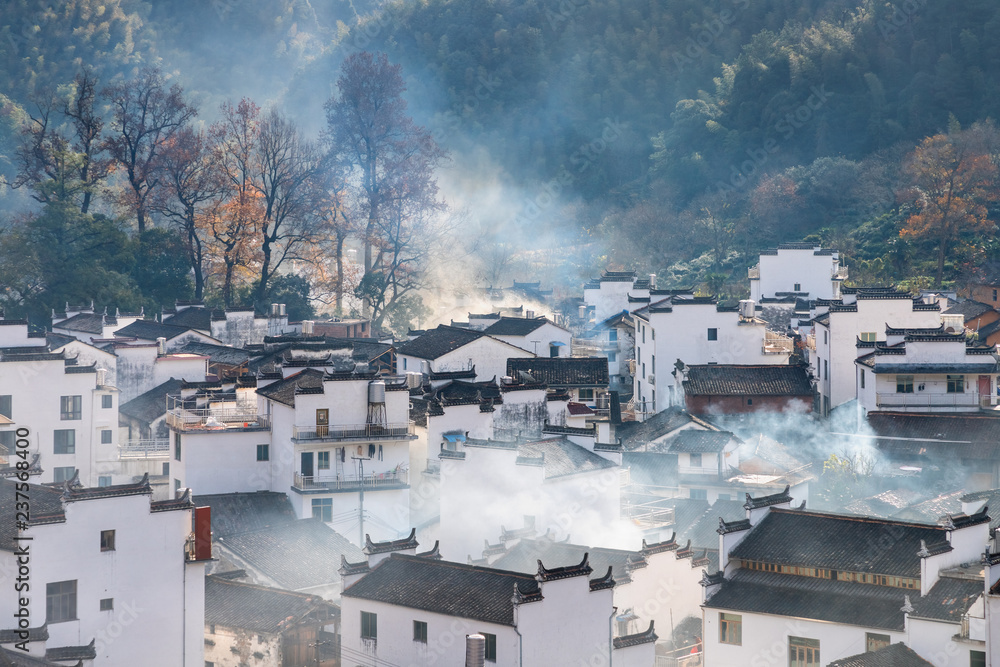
[811, 342]
[353, 432]
[144, 449]
[216, 419]
[391, 478]
[929, 400]
[753, 273]
[777, 343]
[840, 273]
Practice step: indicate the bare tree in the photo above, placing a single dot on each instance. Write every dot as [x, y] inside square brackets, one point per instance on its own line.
[88, 125]
[145, 115]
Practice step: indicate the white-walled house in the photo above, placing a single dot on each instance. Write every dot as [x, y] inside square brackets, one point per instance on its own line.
[804, 269]
[446, 349]
[613, 338]
[695, 330]
[112, 574]
[415, 610]
[863, 314]
[816, 587]
[536, 335]
[925, 370]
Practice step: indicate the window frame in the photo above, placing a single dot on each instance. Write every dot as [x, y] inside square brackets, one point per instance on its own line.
[60, 604]
[904, 384]
[323, 460]
[107, 401]
[491, 646]
[956, 384]
[66, 447]
[59, 473]
[7, 405]
[325, 507]
[264, 452]
[806, 651]
[107, 604]
[713, 333]
[731, 629]
[868, 336]
[692, 461]
[874, 641]
[420, 631]
[108, 540]
[177, 446]
[71, 407]
[369, 625]
[107, 436]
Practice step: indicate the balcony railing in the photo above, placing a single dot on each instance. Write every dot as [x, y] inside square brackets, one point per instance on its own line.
[364, 432]
[145, 449]
[776, 343]
[393, 479]
[929, 400]
[215, 419]
[840, 273]
[811, 342]
[753, 273]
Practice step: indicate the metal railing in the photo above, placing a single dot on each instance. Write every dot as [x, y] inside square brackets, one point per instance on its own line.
[217, 419]
[776, 343]
[840, 273]
[144, 449]
[353, 432]
[390, 479]
[929, 400]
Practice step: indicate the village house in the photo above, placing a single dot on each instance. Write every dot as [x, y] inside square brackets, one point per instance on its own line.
[613, 338]
[696, 331]
[92, 596]
[237, 327]
[449, 349]
[84, 323]
[580, 379]
[532, 334]
[799, 269]
[722, 389]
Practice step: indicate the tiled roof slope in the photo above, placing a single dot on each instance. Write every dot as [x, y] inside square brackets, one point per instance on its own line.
[234, 513]
[193, 318]
[703, 533]
[453, 589]
[296, 555]
[150, 330]
[514, 326]
[151, 405]
[563, 371]
[636, 434]
[18, 658]
[283, 391]
[563, 457]
[92, 323]
[217, 354]
[851, 543]
[948, 600]
[524, 557]
[894, 655]
[438, 342]
[46, 507]
[691, 441]
[969, 309]
[845, 602]
[763, 380]
[235, 604]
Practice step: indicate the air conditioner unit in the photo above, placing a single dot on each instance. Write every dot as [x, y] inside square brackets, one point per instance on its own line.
[651, 378]
[631, 366]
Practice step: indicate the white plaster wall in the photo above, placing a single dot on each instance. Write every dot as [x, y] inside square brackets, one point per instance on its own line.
[551, 639]
[666, 591]
[221, 461]
[545, 334]
[610, 299]
[932, 640]
[387, 513]
[16, 335]
[488, 355]
[643, 655]
[779, 273]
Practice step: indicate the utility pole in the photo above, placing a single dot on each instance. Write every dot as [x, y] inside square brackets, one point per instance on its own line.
[361, 508]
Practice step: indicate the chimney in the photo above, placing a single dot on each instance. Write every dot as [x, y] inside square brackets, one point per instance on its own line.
[161, 346]
[475, 650]
[652, 281]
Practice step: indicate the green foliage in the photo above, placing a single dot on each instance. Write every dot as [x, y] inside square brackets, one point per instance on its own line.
[293, 291]
[161, 270]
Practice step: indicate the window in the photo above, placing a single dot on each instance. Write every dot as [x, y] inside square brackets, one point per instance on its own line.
[826, 337]
[956, 384]
[323, 460]
[644, 371]
[104, 480]
[586, 394]
[107, 604]
[797, 287]
[862, 378]
[369, 625]
[868, 336]
[264, 452]
[5, 406]
[612, 357]
[166, 469]
[107, 540]
[60, 601]
[64, 441]
[904, 384]
[7, 442]
[652, 364]
[420, 632]
[695, 460]
[731, 629]
[553, 351]
[323, 509]
[994, 295]
[803, 652]
[699, 494]
[978, 658]
[177, 446]
[643, 333]
[107, 401]
[749, 401]
[491, 647]
[713, 334]
[874, 642]
[63, 473]
[826, 368]
[70, 407]
[106, 436]
[613, 335]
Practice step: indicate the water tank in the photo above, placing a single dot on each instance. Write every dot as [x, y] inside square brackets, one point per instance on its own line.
[161, 346]
[102, 377]
[652, 281]
[748, 308]
[307, 327]
[475, 651]
[529, 314]
[583, 312]
[376, 392]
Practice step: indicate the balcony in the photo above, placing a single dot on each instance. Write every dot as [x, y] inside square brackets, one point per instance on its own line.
[145, 449]
[217, 420]
[393, 479]
[925, 400]
[349, 432]
[777, 343]
[840, 273]
[811, 342]
[753, 273]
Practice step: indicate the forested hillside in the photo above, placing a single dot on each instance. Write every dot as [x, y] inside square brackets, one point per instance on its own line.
[676, 136]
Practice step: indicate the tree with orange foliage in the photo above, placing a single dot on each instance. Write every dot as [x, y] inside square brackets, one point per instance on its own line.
[952, 177]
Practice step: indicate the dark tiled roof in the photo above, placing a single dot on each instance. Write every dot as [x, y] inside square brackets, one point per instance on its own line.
[408, 542]
[854, 544]
[763, 380]
[151, 405]
[646, 637]
[651, 468]
[563, 457]
[38, 634]
[57, 340]
[18, 658]
[88, 652]
[703, 533]
[845, 602]
[969, 309]
[690, 441]
[217, 354]
[948, 600]
[636, 434]
[515, 326]
[150, 330]
[975, 429]
[438, 342]
[92, 323]
[192, 318]
[242, 512]
[46, 507]
[283, 391]
[563, 372]
[524, 557]
[453, 589]
[767, 501]
[235, 604]
[296, 555]
[894, 655]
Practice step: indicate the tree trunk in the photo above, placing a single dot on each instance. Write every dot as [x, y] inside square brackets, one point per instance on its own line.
[341, 237]
[942, 251]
